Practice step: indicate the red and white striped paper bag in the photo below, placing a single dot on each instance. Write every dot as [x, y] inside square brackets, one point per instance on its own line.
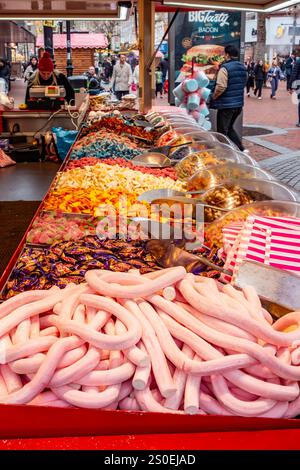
[269, 240]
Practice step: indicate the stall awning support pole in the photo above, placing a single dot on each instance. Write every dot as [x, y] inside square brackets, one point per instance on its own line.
[171, 22]
[146, 10]
[69, 50]
[48, 40]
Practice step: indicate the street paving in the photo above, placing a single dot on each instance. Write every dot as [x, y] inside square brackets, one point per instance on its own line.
[278, 152]
[286, 168]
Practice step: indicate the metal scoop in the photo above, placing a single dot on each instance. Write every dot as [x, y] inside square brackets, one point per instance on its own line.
[135, 137]
[167, 250]
[157, 157]
[165, 149]
[153, 194]
[278, 290]
[152, 160]
[143, 123]
[147, 125]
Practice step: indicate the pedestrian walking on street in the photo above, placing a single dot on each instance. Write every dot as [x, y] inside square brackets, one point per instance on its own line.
[94, 81]
[159, 82]
[266, 70]
[289, 63]
[164, 66]
[166, 84]
[228, 97]
[113, 64]
[136, 79]
[121, 78]
[295, 81]
[250, 75]
[32, 67]
[5, 73]
[107, 70]
[274, 78]
[259, 78]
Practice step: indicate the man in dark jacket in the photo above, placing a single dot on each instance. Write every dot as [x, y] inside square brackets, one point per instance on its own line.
[295, 82]
[228, 97]
[289, 63]
[259, 78]
[107, 69]
[164, 66]
[94, 81]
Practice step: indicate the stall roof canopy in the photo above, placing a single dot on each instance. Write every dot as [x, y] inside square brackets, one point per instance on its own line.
[78, 41]
[11, 32]
[103, 9]
[247, 5]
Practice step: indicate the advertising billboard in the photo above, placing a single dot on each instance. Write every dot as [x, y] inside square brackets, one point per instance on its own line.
[201, 36]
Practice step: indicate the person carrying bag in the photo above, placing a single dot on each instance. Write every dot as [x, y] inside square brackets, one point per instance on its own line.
[274, 78]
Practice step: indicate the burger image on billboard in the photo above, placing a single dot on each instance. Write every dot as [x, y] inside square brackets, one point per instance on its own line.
[207, 57]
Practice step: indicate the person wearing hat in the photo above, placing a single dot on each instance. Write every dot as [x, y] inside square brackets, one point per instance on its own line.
[45, 75]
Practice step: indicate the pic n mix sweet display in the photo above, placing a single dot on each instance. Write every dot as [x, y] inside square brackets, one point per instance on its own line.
[90, 321]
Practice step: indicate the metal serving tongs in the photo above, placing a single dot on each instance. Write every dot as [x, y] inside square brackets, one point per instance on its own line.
[165, 149]
[167, 250]
[186, 200]
[139, 121]
[135, 137]
[168, 255]
[170, 197]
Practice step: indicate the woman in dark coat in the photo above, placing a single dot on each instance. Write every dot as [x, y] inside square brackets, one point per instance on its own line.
[4, 72]
[259, 78]
[295, 82]
[250, 74]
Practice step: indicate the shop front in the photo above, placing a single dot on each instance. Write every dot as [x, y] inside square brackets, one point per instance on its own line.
[283, 35]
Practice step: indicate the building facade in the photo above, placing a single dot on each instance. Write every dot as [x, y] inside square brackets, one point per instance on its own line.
[282, 33]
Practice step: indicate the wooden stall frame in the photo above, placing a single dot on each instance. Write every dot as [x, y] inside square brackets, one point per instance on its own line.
[146, 10]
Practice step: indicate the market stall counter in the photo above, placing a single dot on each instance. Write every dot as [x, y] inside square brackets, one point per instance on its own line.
[280, 439]
[25, 133]
[28, 121]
